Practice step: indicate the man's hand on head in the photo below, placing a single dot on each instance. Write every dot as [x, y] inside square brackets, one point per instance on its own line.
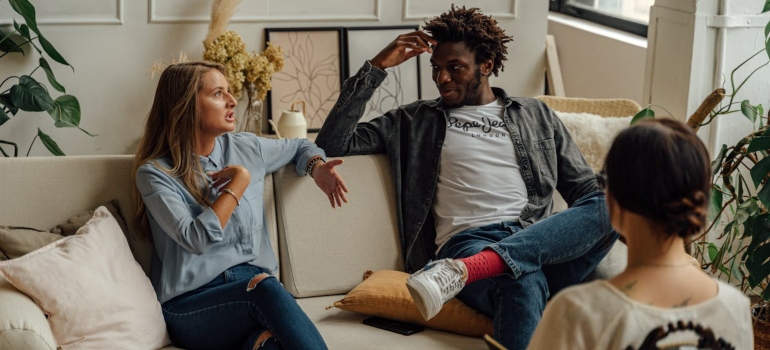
[404, 47]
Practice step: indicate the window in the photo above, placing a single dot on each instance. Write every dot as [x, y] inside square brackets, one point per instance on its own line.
[629, 15]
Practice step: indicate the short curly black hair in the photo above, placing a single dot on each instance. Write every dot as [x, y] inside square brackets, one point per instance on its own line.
[480, 32]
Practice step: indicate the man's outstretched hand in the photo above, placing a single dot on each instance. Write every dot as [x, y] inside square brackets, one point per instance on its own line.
[330, 182]
[403, 48]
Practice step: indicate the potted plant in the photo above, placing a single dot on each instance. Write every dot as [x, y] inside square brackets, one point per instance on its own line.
[27, 94]
[740, 198]
[738, 249]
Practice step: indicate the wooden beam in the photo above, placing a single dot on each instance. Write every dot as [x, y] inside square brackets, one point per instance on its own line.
[553, 69]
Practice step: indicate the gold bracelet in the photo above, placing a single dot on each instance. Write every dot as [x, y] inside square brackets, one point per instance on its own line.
[227, 190]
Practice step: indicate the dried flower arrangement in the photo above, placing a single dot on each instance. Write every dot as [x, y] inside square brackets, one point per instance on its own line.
[245, 70]
[244, 67]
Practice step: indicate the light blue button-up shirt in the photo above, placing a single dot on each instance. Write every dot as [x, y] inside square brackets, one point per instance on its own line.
[190, 245]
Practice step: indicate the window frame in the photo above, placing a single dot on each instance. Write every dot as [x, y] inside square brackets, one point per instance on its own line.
[562, 6]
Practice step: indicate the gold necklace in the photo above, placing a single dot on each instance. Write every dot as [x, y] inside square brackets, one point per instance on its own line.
[691, 261]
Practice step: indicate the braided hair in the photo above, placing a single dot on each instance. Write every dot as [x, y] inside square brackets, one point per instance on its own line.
[660, 170]
[479, 32]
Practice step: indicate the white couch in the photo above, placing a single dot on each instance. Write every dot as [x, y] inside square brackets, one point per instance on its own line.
[323, 252]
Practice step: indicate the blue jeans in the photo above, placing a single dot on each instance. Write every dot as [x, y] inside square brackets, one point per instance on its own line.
[543, 258]
[223, 314]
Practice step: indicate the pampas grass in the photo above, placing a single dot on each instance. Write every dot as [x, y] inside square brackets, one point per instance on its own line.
[221, 12]
[160, 65]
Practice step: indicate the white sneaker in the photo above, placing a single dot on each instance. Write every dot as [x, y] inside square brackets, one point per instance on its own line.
[437, 282]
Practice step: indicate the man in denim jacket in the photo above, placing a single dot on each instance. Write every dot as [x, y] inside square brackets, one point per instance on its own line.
[474, 173]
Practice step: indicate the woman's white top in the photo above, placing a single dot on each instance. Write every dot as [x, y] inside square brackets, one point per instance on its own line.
[597, 315]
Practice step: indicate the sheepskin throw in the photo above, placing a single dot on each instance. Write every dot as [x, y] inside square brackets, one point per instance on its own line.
[593, 134]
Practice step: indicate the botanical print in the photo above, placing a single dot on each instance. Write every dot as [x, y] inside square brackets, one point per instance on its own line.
[401, 86]
[312, 72]
[388, 96]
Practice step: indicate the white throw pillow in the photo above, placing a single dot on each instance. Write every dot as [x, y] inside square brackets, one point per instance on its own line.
[92, 290]
[593, 134]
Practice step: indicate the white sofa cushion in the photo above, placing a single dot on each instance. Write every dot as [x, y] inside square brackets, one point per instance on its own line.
[326, 251]
[344, 330]
[22, 324]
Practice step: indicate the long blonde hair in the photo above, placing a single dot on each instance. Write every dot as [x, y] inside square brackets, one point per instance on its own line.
[172, 131]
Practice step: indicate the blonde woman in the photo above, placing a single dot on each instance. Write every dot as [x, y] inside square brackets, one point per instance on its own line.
[657, 184]
[199, 190]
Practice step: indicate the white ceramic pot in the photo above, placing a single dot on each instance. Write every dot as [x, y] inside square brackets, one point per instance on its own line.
[292, 123]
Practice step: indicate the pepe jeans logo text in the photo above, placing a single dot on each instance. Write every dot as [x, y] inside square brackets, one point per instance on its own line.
[486, 126]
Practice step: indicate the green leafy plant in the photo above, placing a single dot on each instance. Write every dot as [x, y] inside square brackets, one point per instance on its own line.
[740, 198]
[740, 192]
[28, 94]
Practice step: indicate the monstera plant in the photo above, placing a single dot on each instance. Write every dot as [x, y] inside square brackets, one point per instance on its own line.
[27, 93]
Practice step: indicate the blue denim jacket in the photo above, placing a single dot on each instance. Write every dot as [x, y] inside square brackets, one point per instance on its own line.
[412, 136]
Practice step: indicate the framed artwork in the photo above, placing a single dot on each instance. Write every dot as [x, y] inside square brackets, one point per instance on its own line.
[313, 72]
[402, 84]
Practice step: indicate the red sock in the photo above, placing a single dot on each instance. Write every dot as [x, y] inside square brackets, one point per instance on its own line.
[485, 264]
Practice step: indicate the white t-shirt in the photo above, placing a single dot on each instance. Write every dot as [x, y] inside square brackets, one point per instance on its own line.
[479, 181]
[597, 315]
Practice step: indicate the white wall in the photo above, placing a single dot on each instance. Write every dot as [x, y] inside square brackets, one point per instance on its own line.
[694, 46]
[690, 60]
[112, 44]
[597, 61]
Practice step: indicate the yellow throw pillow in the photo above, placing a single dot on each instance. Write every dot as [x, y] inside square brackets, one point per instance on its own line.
[384, 294]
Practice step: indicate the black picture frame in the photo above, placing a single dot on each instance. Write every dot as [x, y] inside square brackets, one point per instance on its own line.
[402, 84]
[314, 69]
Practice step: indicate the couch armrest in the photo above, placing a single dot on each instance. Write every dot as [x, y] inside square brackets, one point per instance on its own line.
[22, 324]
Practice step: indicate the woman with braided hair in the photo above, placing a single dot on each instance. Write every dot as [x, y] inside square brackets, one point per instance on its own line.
[656, 179]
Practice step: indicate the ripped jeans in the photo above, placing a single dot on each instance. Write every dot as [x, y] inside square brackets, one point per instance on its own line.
[223, 314]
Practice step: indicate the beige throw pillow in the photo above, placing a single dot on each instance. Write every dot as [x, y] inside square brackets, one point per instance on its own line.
[92, 290]
[17, 241]
[384, 294]
[71, 226]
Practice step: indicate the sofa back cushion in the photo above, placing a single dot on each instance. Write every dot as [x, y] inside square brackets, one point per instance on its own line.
[41, 192]
[325, 251]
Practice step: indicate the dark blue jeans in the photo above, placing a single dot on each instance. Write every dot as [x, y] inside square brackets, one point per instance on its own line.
[547, 256]
[223, 314]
